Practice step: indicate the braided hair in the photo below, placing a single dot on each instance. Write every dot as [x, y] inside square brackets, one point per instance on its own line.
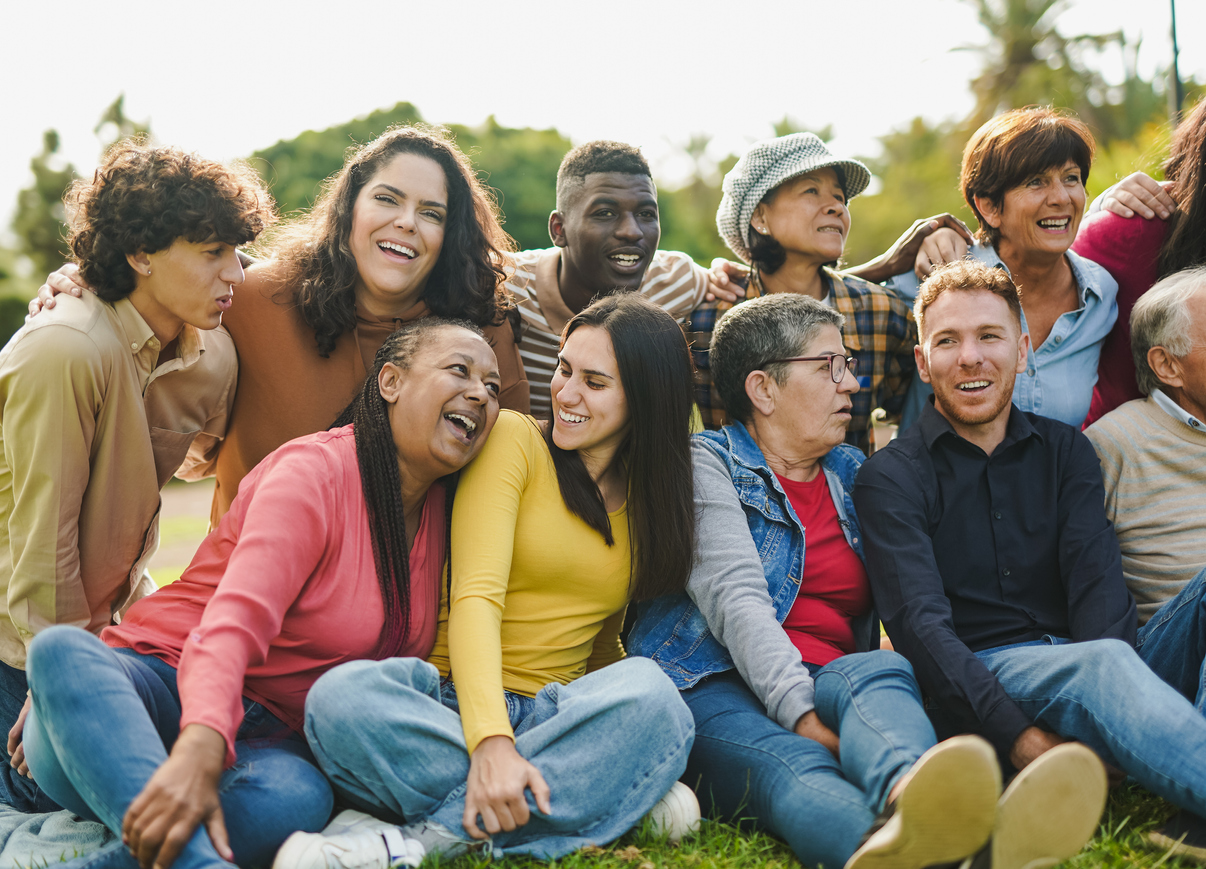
[381, 479]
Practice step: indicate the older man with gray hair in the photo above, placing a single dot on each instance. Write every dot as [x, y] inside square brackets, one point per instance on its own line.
[1153, 459]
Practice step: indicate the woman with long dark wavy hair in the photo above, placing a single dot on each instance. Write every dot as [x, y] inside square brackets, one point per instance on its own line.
[405, 229]
[190, 711]
[1139, 252]
[544, 737]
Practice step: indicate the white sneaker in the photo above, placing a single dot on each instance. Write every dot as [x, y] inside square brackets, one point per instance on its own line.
[386, 848]
[677, 813]
[352, 821]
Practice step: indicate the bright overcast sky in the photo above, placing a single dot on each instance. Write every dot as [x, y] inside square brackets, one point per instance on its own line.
[224, 78]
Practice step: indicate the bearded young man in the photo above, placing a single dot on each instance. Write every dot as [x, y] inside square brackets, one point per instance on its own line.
[995, 569]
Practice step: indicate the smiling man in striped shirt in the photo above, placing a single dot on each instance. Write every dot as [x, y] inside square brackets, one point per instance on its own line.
[605, 233]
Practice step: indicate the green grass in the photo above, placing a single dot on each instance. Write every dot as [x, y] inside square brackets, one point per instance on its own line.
[167, 575]
[1131, 813]
[176, 529]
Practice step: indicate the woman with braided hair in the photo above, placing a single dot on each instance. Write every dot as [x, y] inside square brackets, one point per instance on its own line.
[189, 712]
[527, 730]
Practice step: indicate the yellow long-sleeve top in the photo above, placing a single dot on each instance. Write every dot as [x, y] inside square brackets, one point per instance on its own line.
[537, 595]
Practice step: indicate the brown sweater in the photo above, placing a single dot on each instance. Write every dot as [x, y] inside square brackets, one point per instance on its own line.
[287, 390]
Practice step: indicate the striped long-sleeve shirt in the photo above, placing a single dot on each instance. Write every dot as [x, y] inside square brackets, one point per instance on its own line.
[673, 282]
[1154, 467]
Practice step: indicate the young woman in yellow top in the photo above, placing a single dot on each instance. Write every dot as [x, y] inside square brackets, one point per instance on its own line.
[543, 739]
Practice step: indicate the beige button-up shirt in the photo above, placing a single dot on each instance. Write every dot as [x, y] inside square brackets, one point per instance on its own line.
[90, 430]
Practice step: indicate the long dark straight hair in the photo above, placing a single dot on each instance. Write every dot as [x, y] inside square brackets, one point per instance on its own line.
[1185, 244]
[656, 376]
[381, 480]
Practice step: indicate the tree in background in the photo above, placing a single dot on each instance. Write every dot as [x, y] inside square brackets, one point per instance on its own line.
[39, 220]
[295, 168]
[114, 125]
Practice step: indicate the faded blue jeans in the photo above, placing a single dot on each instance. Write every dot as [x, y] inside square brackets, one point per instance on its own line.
[103, 721]
[609, 745]
[747, 766]
[1102, 694]
[1173, 642]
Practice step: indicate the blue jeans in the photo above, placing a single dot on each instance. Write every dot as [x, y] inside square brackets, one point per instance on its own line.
[609, 746]
[103, 721]
[1173, 642]
[22, 793]
[1103, 695]
[744, 765]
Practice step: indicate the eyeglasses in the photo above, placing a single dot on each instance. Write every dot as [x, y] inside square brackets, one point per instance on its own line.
[838, 365]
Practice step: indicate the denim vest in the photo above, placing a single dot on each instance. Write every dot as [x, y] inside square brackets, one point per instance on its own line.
[672, 631]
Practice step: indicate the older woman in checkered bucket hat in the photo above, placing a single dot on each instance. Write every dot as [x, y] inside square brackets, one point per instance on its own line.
[785, 213]
[785, 181]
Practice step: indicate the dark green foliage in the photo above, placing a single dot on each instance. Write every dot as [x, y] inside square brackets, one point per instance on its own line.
[521, 165]
[39, 220]
[295, 168]
[12, 316]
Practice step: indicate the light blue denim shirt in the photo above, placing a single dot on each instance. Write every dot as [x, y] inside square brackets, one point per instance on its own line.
[747, 573]
[1060, 375]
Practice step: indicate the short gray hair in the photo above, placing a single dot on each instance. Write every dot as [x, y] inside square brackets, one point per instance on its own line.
[1161, 319]
[770, 327]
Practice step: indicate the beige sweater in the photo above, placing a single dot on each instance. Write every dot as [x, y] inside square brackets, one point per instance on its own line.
[1154, 469]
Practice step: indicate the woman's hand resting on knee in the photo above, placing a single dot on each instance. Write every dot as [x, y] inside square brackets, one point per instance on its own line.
[16, 743]
[810, 727]
[498, 777]
[181, 794]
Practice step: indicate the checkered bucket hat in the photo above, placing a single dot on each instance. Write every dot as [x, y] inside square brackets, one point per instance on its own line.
[765, 166]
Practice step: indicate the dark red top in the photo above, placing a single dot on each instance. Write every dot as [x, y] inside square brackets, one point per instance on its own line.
[1127, 248]
[834, 589]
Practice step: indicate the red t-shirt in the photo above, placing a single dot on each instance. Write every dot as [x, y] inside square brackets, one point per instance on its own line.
[834, 589]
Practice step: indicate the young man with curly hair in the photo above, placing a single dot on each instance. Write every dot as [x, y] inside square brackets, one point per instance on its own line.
[104, 397]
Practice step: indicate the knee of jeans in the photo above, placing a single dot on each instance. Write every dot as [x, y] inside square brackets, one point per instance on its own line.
[1101, 662]
[297, 791]
[340, 693]
[651, 689]
[58, 650]
[865, 666]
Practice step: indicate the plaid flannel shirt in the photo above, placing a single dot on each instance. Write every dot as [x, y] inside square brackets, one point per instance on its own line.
[879, 333]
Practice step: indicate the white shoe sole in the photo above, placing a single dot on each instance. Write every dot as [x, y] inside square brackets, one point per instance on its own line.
[1050, 810]
[944, 813]
[677, 813]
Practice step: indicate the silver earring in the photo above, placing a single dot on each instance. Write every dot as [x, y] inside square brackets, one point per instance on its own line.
[762, 230]
[148, 271]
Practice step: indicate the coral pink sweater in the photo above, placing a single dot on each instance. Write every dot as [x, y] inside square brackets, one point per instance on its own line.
[284, 589]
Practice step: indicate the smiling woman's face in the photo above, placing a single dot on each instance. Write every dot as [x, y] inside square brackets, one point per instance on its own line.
[1041, 214]
[444, 404]
[398, 230]
[807, 215]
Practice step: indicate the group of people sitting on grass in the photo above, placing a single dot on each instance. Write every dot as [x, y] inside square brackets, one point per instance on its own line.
[472, 584]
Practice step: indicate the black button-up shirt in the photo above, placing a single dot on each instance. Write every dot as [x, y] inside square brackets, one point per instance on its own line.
[967, 552]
